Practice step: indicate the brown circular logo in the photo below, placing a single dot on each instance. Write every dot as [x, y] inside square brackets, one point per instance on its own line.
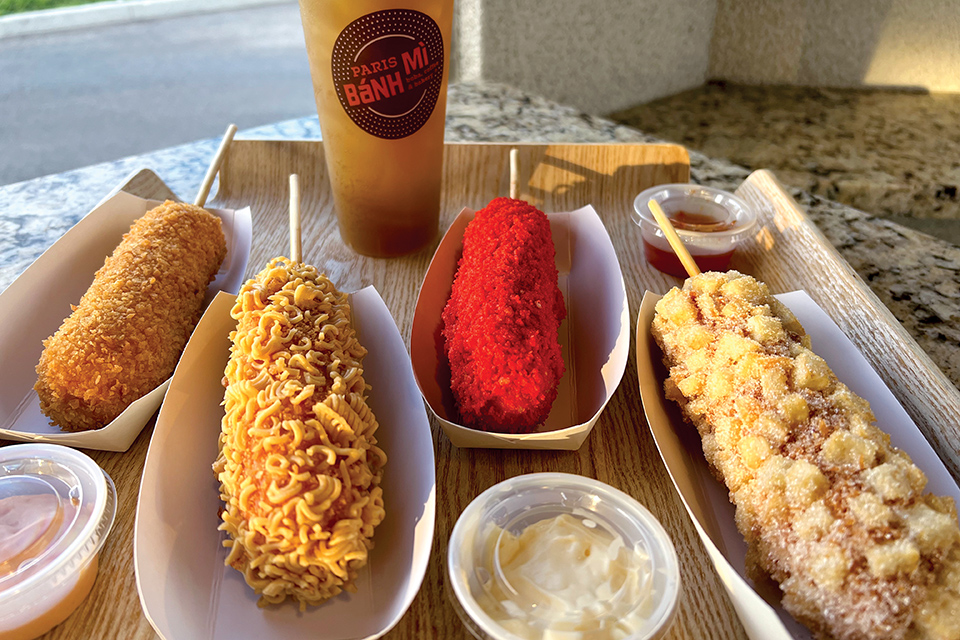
[388, 68]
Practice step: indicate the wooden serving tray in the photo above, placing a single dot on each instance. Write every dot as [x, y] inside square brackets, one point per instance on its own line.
[790, 254]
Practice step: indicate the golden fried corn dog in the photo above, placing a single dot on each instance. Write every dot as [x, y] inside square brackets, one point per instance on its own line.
[126, 335]
[828, 507]
[299, 468]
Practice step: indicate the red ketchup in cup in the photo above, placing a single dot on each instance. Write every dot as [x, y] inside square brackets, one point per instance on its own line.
[710, 222]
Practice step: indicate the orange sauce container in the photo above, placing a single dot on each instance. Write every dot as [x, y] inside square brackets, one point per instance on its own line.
[56, 509]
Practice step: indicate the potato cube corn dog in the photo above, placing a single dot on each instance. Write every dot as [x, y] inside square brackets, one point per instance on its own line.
[829, 508]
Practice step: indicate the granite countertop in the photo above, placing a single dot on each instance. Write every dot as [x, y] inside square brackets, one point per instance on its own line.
[887, 151]
[916, 276]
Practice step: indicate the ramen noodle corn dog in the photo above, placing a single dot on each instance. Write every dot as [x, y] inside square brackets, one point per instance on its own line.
[829, 508]
[500, 325]
[125, 336]
[299, 466]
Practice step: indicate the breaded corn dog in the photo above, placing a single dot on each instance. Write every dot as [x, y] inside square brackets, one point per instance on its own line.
[829, 508]
[500, 325]
[125, 336]
[299, 468]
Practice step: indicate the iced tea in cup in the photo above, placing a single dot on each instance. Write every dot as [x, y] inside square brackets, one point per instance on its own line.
[379, 71]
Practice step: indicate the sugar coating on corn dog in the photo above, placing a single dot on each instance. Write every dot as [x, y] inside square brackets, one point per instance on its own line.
[829, 508]
[125, 336]
[500, 325]
[299, 466]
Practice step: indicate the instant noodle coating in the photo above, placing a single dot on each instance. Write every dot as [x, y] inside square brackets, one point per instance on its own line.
[299, 466]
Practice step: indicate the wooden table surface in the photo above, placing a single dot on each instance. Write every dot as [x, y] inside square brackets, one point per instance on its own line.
[620, 451]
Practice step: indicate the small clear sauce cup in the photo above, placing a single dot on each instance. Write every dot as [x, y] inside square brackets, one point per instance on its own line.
[492, 609]
[56, 508]
[711, 223]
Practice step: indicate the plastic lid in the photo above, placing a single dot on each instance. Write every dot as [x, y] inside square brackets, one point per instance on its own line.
[715, 213]
[552, 552]
[56, 509]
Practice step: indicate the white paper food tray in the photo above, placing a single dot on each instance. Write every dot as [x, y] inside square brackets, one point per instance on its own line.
[34, 306]
[186, 591]
[706, 499]
[595, 337]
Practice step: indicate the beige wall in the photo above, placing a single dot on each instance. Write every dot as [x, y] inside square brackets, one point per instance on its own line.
[597, 55]
[605, 55]
[842, 43]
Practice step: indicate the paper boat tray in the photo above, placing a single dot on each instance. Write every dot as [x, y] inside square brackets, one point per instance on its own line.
[186, 591]
[706, 499]
[594, 338]
[59, 278]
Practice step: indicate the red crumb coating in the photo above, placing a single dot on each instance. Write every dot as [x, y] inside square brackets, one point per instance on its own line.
[501, 323]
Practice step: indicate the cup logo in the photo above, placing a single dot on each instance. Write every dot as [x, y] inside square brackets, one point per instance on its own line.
[387, 69]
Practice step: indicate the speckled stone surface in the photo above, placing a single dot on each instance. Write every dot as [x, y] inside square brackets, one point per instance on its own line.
[891, 153]
[915, 275]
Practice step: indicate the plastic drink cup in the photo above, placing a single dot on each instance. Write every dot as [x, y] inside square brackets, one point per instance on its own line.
[379, 70]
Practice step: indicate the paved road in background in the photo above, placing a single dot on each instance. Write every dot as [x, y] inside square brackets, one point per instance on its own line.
[75, 98]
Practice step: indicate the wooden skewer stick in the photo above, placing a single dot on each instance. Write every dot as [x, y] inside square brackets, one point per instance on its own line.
[214, 166]
[295, 249]
[675, 242]
[514, 171]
